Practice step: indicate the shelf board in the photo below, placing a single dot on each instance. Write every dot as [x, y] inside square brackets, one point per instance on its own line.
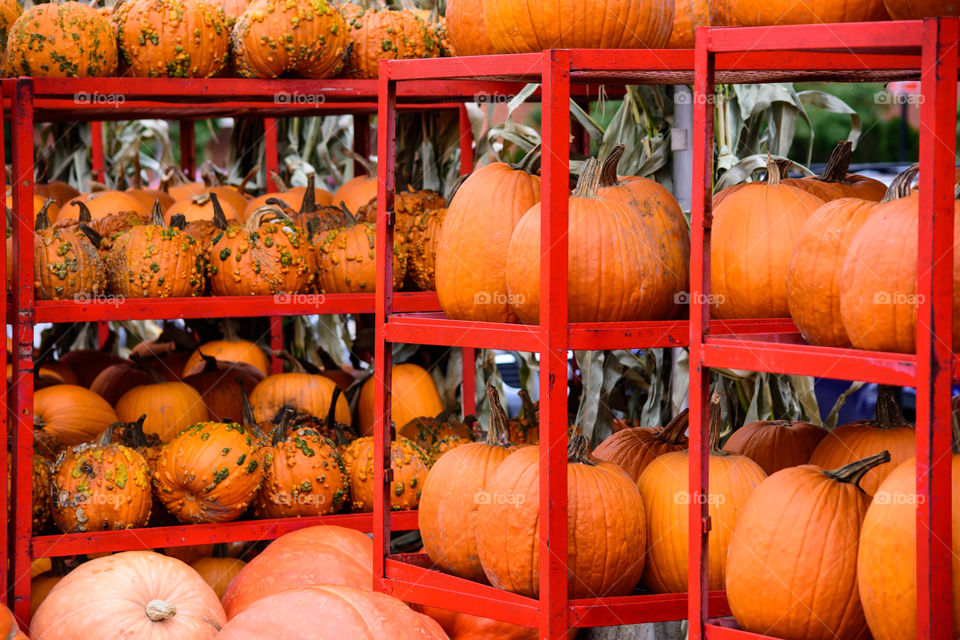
[68, 544]
[717, 632]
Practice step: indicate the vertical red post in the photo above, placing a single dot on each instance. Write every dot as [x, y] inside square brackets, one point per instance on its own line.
[21, 508]
[103, 333]
[98, 171]
[555, 165]
[188, 149]
[699, 515]
[276, 344]
[938, 114]
[361, 140]
[468, 390]
[466, 142]
[383, 353]
[4, 443]
[271, 157]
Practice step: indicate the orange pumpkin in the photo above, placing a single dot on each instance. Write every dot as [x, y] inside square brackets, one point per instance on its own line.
[466, 28]
[104, 203]
[385, 34]
[218, 572]
[427, 432]
[837, 183]
[292, 200]
[346, 258]
[409, 463]
[66, 266]
[309, 393]
[687, 16]
[53, 212]
[70, 413]
[790, 575]
[750, 247]
[140, 594]
[749, 13]
[209, 473]
[77, 42]
[777, 444]
[412, 394]
[114, 381]
[663, 486]
[170, 407]
[201, 207]
[356, 192]
[525, 428]
[633, 449]
[471, 276]
[8, 626]
[60, 192]
[88, 363]
[230, 349]
[220, 383]
[916, 9]
[424, 239]
[10, 10]
[463, 626]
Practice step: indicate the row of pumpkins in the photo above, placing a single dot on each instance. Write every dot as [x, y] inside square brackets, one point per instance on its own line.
[812, 532]
[193, 238]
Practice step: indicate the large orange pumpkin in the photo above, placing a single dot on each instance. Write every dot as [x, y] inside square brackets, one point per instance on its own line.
[633, 449]
[135, 594]
[792, 564]
[8, 626]
[306, 392]
[665, 492]
[62, 40]
[357, 192]
[916, 9]
[750, 247]
[887, 561]
[468, 33]
[889, 431]
[776, 444]
[170, 407]
[470, 275]
[750, 13]
[687, 16]
[413, 394]
[71, 413]
[314, 555]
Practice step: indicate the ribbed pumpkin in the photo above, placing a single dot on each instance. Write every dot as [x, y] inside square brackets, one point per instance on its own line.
[70, 413]
[346, 258]
[62, 40]
[887, 560]
[117, 379]
[665, 492]
[219, 383]
[218, 572]
[468, 33]
[916, 9]
[273, 38]
[173, 38]
[314, 555]
[138, 594]
[792, 564]
[413, 394]
[750, 13]
[836, 183]
[470, 275]
[59, 191]
[448, 504]
[528, 26]
[687, 16]
[409, 463]
[306, 392]
[230, 349]
[330, 611]
[66, 265]
[170, 407]
[104, 203]
[889, 431]
[605, 526]
[878, 294]
[385, 34]
[356, 192]
[209, 473]
[267, 255]
[296, 199]
[753, 233]
[100, 486]
[633, 449]
[776, 444]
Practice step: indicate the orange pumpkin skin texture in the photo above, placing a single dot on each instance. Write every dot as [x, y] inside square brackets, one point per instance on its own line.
[356, 192]
[61, 192]
[605, 525]
[170, 408]
[746, 13]
[633, 449]
[40, 588]
[305, 392]
[173, 38]
[62, 40]
[916, 9]
[687, 16]
[209, 473]
[426, 432]
[42, 470]
[219, 384]
[100, 487]
[314, 555]
[776, 445]
[413, 394]
[200, 207]
[273, 38]
[218, 572]
[153, 261]
[330, 611]
[134, 591]
[835, 182]
[816, 266]
[71, 413]
[66, 265]
[409, 463]
[424, 239]
[385, 34]
[887, 562]
[468, 33]
[471, 276]
[753, 233]
[10, 10]
[229, 350]
[535, 25]
[463, 626]
[792, 564]
[104, 203]
[346, 260]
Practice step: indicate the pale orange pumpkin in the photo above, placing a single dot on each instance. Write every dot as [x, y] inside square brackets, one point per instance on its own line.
[71, 413]
[750, 13]
[357, 192]
[230, 349]
[413, 394]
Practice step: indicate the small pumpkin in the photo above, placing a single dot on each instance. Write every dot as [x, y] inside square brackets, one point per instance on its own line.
[62, 40]
[385, 34]
[114, 381]
[634, 448]
[202, 207]
[59, 191]
[413, 393]
[102, 204]
[309, 393]
[220, 383]
[525, 428]
[358, 191]
[443, 445]
[66, 265]
[71, 414]
[409, 462]
[836, 183]
[217, 571]
[776, 444]
[427, 432]
[210, 472]
[170, 407]
[292, 200]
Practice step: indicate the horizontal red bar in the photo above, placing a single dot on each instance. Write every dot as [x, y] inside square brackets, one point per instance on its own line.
[637, 609]
[519, 67]
[69, 544]
[717, 632]
[864, 37]
[436, 329]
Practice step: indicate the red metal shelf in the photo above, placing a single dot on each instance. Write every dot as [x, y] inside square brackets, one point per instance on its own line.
[717, 632]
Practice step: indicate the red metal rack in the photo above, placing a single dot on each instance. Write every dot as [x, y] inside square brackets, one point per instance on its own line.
[854, 52]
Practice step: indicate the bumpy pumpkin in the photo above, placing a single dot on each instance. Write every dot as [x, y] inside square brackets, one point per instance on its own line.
[42, 470]
[413, 393]
[835, 182]
[173, 38]
[10, 10]
[468, 33]
[748, 13]
[471, 276]
[266, 256]
[535, 25]
[664, 486]
[443, 445]
[71, 414]
[100, 486]
[427, 432]
[776, 444]
[916, 9]
[108, 225]
[346, 258]
[753, 234]
[66, 265]
[634, 448]
[385, 34]
[448, 504]
[273, 38]
[789, 574]
[140, 594]
[409, 463]
[424, 240]
[62, 40]
[889, 431]
[209, 473]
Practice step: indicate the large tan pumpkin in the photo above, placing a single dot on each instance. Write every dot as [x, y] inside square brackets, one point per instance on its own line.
[413, 395]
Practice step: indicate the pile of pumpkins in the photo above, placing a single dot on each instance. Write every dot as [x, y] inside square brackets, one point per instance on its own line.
[209, 435]
[203, 238]
[818, 249]
[204, 39]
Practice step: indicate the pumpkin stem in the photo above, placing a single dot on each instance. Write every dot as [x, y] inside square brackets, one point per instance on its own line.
[278, 181]
[527, 408]
[889, 415]
[121, 177]
[349, 220]
[784, 165]
[673, 432]
[209, 363]
[43, 219]
[246, 180]
[331, 419]
[838, 164]
[280, 431]
[362, 161]
[137, 437]
[94, 237]
[201, 198]
[158, 610]
[309, 202]
[529, 161]
[715, 425]
[608, 168]
[277, 202]
[262, 215]
[577, 448]
[219, 217]
[178, 221]
[773, 172]
[853, 472]
[902, 185]
[136, 180]
[587, 184]
[85, 215]
[156, 214]
[456, 186]
[246, 409]
[499, 433]
[105, 439]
